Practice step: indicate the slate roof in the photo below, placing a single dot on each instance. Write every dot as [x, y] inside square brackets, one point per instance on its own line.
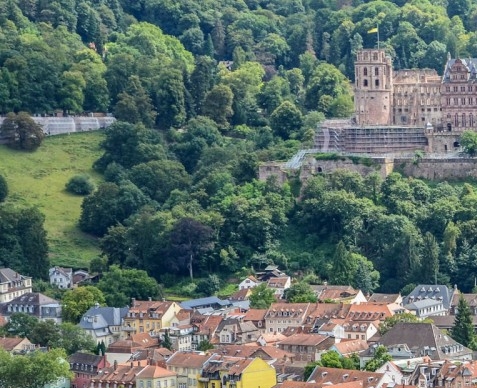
[85, 358]
[430, 291]
[250, 351]
[424, 339]
[469, 63]
[421, 304]
[196, 303]
[111, 316]
[8, 275]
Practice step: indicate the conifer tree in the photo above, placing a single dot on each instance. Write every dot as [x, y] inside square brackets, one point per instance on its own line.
[463, 330]
[343, 267]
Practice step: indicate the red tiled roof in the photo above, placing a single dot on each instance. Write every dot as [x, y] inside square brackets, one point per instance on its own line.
[188, 359]
[304, 339]
[255, 315]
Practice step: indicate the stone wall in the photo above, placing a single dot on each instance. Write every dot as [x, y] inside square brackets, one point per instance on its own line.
[438, 169]
[364, 166]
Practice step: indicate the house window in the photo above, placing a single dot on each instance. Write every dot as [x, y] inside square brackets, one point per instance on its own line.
[141, 384]
[365, 83]
[365, 71]
[376, 71]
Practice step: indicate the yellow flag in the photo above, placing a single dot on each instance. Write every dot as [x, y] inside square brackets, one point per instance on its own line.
[373, 30]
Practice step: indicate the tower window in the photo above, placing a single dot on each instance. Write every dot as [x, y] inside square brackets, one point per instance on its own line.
[376, 71]
[365, 82]
[375, 56]
[376, 82]
[365, 71]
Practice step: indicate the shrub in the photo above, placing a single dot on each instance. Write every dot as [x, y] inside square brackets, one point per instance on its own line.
[80, 185]
[3, 189]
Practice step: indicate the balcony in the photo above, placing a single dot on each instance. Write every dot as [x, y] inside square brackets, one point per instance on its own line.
[204, 379]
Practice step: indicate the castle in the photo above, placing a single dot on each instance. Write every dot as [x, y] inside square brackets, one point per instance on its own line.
[405, 110]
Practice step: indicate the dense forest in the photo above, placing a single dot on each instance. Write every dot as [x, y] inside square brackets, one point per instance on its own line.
[206, 90]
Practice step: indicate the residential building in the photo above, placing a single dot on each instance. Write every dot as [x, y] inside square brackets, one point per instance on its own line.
[236, 331]
[338, 294]
[281, 316]
[150, 316]
[204, 328]
[471, 300]
[400, 371]
[232, 372]
[61, 277]
[104, 324]
[269, 354]
[271, 271]
[122, 351]
[153, 376]
[34, 304]
[279, 285]
[306, 347]
[181, 337]
[332, 329]
[426, 308]
[363, 330]
[12, 284]
[16, 345]
[137, 374]
[85, 366]
[331, 376]
[188, 366]
[211, 302]
[438, 292]
[240, 295]
[348, 348]
[389, 299]
[249, 282]
[409, 340]
[257, 317]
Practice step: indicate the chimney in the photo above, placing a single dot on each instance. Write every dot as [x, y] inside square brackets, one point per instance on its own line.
[115, 365]
[149, 299]
[133, 302]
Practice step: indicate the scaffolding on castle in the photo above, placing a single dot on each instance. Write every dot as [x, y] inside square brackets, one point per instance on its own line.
[346, 136]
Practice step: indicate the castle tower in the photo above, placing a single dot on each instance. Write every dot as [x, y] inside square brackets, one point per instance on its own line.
[373, 91]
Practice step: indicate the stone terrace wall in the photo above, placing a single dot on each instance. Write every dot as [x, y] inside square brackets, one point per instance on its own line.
[438, 169]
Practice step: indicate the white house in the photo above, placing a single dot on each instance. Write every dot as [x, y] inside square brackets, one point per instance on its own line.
[249, 282]
[61, 277]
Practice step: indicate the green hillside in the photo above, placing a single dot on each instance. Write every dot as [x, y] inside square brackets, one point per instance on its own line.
[39, 178]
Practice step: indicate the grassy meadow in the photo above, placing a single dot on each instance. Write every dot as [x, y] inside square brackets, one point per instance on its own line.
[39, 178]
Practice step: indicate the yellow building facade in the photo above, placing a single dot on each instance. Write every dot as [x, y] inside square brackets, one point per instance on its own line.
[150, 316]
[231, 372]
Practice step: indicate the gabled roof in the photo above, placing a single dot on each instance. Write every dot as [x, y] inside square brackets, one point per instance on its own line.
[424, 336]
[384, 298]
[145, 340]
[188, 359]
[111, 316]
[209, 324]
[124, 346]
[145, 306]
[304, 340]
[8, 275]
[155, 372]
[471, 299]
[294, 310]
[352, 346]
[66, 272]
[278, 282]
[11, 343]
[233, 365]
[240, 294]
[303, 384]
[34, 298]
[251, 351]
[255, 315]
[332, 376]
[85, 358]
[368, 312]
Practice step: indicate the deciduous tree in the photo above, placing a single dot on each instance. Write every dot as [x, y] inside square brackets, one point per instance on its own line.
[21, 131]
